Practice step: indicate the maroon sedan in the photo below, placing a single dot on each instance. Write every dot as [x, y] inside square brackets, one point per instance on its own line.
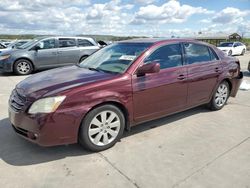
[119, 86]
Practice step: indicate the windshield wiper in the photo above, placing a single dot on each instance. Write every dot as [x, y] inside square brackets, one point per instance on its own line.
[94, 69]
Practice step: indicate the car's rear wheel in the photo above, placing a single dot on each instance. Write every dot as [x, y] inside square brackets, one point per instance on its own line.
[101, 128]
[230, 52]
[243, 52]
[23, 67]
[82, 58]
[220, 97]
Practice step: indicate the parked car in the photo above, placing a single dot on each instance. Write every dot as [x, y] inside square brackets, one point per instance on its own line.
[2, 46]
[14, 45]
[233, 48]
[48, 52]
[17, 43]
[248, 66]
[120, 86]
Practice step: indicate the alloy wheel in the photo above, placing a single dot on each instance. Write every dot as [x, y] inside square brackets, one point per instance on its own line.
[104, 128]
[23, 67]
[221, 95]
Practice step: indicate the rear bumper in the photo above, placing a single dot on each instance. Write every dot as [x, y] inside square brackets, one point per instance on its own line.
[236, 82]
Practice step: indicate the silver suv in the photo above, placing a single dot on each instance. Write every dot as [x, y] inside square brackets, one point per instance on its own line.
[47, 52]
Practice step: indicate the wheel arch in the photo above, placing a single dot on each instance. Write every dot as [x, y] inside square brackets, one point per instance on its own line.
[119, 105]
[229, 83]
[85, 55]
[28, 59]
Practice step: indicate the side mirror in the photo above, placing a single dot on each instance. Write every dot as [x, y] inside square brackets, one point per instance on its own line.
[148, 68]
[36, 48]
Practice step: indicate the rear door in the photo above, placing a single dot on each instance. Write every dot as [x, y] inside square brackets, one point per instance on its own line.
[204, 68]
[68, 52]
[46, 53]
[159, 94]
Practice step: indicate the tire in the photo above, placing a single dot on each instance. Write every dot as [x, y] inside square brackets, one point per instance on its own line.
[82, 58]
[95, 134]
[243, 52]
[220, 96]
[23, 67]
[248, 66]
[230, 53]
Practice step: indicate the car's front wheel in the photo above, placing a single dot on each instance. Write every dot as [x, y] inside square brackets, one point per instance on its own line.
[102, 128]
[220, 97]
[230, 53]
[23, 67]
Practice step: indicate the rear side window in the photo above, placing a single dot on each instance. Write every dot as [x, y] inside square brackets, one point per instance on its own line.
[213, 55]
[64, 42]
[196, 53]
[167, 56]
[84, 43]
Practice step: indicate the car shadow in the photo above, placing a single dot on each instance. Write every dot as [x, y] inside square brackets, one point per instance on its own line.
[17, 151]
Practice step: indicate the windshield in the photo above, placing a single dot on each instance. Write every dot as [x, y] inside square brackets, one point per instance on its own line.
[226, 44]
[28, 44]
[115, 58]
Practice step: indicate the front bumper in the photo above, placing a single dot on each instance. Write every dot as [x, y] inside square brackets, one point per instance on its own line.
[236, 82]
[58, 128]
[6, 65]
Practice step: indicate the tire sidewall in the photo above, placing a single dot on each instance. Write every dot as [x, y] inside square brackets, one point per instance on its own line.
[243, 52]
[83, 131]
[214, 106]
[20, 73]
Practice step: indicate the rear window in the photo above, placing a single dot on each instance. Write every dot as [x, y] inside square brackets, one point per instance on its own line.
[64, 42]
[84, 43]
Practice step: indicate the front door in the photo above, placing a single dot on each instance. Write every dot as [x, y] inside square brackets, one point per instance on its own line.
[162, 93]
[45, 54]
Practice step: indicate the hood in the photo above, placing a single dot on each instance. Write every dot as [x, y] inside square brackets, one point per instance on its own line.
[57, 80]
[8, 51]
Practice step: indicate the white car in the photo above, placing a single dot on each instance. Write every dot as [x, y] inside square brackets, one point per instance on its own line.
[233, 48]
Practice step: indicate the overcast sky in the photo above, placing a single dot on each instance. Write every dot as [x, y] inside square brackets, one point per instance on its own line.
[116, 17]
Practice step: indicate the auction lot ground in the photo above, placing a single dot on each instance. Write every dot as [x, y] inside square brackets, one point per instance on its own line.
[195, 148]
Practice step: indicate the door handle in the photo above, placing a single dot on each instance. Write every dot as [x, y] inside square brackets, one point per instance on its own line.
[217, 69]
[181, 77]
[59, 52]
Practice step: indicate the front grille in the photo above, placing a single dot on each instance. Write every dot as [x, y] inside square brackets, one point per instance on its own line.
[16, 101]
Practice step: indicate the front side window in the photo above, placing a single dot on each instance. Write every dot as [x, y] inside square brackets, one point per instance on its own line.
[196, 53]
[66, 42]
[46, 44]
[115, 58]
[84, 43]
[167, 56]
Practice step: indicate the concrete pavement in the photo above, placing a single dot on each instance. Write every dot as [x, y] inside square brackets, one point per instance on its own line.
[195, 148]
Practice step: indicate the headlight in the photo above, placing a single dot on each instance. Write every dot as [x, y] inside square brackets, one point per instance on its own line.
[46, 105]
[3, 57]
